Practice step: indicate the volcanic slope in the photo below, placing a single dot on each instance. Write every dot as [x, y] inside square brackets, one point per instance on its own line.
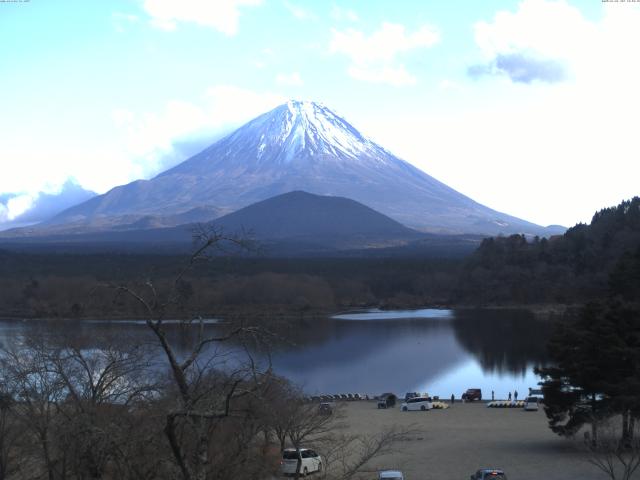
[299, 146]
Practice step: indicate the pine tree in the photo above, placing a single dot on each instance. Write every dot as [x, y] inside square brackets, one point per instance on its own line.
[596, 372]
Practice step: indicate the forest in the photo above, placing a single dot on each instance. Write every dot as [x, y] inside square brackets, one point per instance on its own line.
[588, 261]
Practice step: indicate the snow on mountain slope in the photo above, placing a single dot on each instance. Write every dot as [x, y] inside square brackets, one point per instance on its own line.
[301, 146]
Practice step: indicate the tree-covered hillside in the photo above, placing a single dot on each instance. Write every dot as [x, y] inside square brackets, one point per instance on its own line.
[587, 261]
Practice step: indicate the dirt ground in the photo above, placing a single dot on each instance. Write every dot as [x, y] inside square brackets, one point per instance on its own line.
[457, 441]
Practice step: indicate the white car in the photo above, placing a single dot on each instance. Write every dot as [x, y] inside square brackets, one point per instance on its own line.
[390, 474]
[531, 404]
[417, 403]
[311, 461]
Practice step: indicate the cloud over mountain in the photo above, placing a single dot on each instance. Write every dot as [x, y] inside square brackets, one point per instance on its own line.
[18, 209]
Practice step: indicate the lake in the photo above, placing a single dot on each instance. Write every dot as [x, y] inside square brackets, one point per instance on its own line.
[436, 351]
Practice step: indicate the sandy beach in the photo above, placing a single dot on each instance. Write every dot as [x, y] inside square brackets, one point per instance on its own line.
[455, 442]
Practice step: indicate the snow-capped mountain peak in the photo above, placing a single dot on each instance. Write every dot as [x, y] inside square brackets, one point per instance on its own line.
[303, 145]
[325, 132]
[303, 131]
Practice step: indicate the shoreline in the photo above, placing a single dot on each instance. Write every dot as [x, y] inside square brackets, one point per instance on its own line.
[278, 312]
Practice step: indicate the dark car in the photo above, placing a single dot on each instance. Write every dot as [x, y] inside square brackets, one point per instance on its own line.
[489, 474]
[472, 394]
[386, 400]
[409, 395]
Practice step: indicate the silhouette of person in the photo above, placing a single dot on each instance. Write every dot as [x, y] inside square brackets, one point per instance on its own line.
[509, 396]
[515, 395]
[453, 397]
[492, 396]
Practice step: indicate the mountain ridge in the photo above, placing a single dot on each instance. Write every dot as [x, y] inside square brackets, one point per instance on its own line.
[295, 223]
[299, 146]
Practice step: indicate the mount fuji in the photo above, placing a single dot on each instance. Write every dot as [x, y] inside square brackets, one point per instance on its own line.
[297, 146]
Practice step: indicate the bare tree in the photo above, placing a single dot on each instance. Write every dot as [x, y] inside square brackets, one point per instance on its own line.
[347, 456]
[39, 395]
[72, 403]
[10, 433]
[616, 455]
[101, 383]
[344, 455]
[203, 401]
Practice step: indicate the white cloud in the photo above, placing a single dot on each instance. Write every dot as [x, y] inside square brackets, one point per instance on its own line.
[343, 14]
[222, 15]
[547, 152]
[289, 80]
[552, 29]
[122, 20]
[374, 57]
[151, 138]
[17, 205]
[230, 104]
[139, 145]
[396, 75]
[299, 12]
[382, 45]
[446, 84]
[548, 31]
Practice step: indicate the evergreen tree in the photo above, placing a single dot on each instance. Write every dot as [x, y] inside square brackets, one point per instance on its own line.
[596, 372]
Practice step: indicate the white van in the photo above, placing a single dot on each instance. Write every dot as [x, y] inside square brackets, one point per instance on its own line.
[311, 461]
[531, 404]
[390, 475]
[417, 403]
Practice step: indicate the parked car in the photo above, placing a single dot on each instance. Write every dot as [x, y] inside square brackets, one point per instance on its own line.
[489, 474]
[417, 403]
[390, 474]
[472, 394]
[311, 461]
[326, 408]
[536, 392]
[531, 404]
[387, 400]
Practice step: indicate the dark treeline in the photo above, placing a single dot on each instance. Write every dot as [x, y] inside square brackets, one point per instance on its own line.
[586, 262]
[67, 285]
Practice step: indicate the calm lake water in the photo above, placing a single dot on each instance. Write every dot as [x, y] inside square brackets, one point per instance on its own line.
[436, 351]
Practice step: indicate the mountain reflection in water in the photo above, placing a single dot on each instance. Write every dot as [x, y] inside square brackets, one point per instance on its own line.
[439, 351]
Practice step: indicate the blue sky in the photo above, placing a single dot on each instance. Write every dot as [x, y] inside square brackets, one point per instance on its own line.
[529, 107]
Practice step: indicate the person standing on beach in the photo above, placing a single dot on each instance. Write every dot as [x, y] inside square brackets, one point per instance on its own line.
[493, 397]
[453, 398]
[515, 395]
[509, 396]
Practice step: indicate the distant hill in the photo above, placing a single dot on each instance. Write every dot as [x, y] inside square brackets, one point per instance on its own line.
[321, 220]
[292, 223]
[296, 146]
